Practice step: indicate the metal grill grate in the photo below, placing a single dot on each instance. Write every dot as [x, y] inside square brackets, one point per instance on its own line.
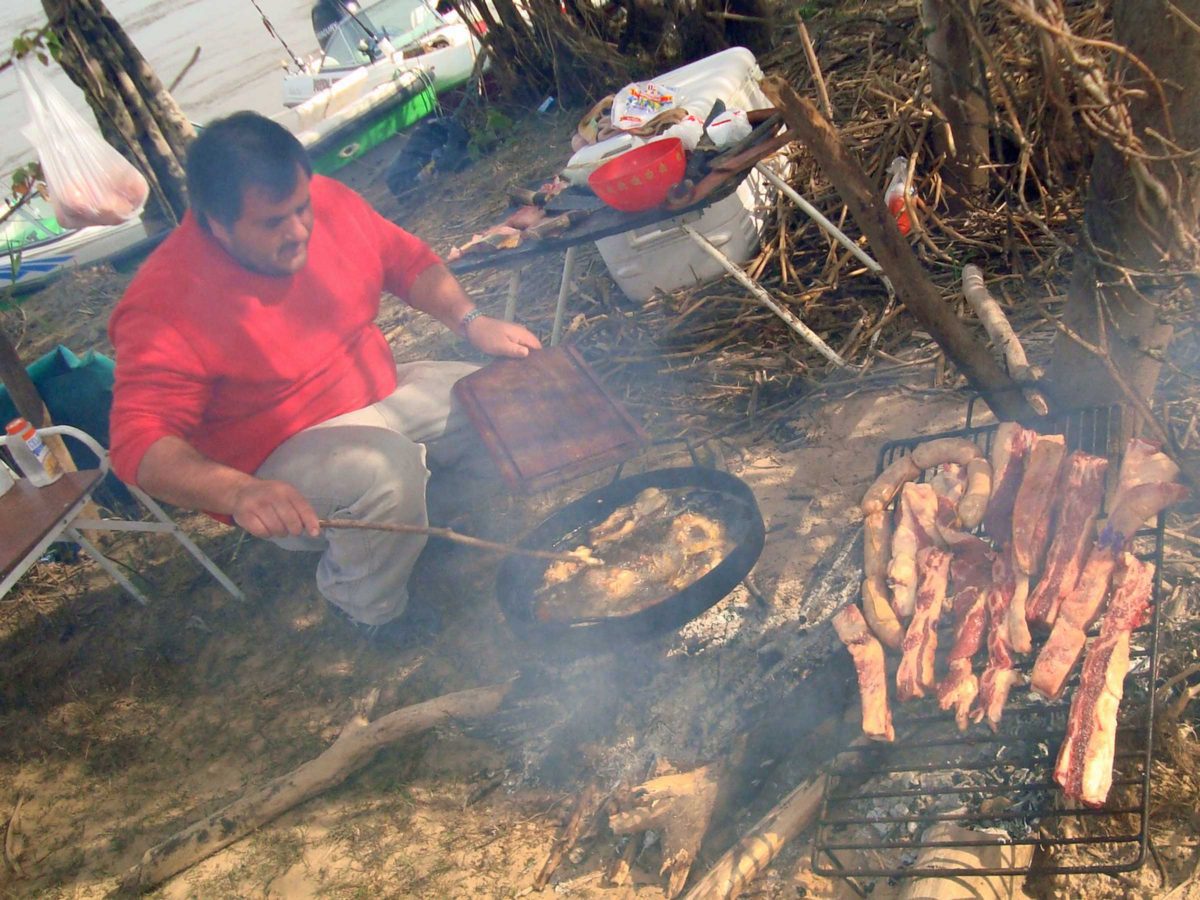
[884, 797]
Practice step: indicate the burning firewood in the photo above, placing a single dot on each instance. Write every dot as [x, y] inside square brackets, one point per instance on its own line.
[583, 814]
[680, 806]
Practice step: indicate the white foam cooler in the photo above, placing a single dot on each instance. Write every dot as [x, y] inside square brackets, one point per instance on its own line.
[661, 256]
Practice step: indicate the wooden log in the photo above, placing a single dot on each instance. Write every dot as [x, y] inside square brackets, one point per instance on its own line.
[568, 836]
[353, 749]
[912, 284]
[680, 805]
[746, 859]
[996, 324]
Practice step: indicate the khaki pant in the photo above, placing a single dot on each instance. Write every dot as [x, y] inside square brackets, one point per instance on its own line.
[370, 465]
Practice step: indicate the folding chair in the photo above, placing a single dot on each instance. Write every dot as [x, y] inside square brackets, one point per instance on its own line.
[33, 518]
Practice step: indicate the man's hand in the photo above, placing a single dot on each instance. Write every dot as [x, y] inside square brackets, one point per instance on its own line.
[274, 509]
[499, 338]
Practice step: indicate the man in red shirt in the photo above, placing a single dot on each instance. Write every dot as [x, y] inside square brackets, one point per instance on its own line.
[253, 383]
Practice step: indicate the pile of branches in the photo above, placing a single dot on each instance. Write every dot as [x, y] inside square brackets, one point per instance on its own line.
[578, 50]
[739, 359]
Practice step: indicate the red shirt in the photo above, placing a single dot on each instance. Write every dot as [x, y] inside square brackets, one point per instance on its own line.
[235, 362]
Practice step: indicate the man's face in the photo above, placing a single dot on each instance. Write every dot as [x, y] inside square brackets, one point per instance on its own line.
[271, 236]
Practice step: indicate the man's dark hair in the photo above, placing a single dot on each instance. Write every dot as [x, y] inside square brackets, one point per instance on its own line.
[240, 151]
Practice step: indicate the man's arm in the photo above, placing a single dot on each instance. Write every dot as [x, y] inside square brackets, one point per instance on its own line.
[437, 292]
[174, 471]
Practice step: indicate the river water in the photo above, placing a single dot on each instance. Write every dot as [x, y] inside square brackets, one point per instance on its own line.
[240, 64]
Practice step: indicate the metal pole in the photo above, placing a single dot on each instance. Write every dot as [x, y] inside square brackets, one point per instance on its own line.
[832, 230]
[790, 318]
[564, 288]
[514, 287]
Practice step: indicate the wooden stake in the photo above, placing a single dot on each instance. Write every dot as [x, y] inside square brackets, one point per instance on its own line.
[358, 743]
[464, 539]
[996, 324]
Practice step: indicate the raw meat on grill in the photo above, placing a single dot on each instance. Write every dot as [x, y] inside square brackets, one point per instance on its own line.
[999, 676]
[867, 654]
[949, 483]
[940, 451]
[971, 574]
[916, 528]
[1083, 605]
[1010, 450]
[1144, 463]
[1065, 645]
[901, 471]
[1033, 510]
[876, 604]
[1019, 638]
[1085, 761]
[1132, 508]
[959, 689]
[915, 674]
[974, 502]
[1081, 493]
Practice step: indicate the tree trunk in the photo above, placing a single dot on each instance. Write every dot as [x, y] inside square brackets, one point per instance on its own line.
[1140, 220]
[135, 112]
[954, 79]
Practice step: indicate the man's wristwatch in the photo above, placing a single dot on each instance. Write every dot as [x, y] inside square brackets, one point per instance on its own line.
[468, 319]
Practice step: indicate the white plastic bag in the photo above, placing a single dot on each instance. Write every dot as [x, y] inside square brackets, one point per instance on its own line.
[729, 128]
[690, 130]
[89, 182]
[638, 103]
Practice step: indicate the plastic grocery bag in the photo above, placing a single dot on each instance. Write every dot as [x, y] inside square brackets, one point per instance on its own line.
[89, 182]
[728, 128]
[638, 103]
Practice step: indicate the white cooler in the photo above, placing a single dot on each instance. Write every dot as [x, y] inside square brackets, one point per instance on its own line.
[662, 256]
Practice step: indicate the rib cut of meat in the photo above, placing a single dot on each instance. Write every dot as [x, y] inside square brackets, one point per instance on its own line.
[916, 527]
[971, 574]
[999, 676]
[1065, 644]
[1080, 495]
[1135, 506]
[915, 674]
[959, 689]
[1019, 638]
[1085, 762]
[867, 653]
[1144, 463]
[1032, 516]
[1010, 450]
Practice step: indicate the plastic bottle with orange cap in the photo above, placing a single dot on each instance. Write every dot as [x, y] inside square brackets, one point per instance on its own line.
[30, 453]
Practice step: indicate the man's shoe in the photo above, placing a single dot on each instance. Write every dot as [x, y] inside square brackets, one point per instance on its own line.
[419, 623]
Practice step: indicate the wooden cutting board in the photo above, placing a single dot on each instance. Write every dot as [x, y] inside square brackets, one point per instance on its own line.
[546, 419]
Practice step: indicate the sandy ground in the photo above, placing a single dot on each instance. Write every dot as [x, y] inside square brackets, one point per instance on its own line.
[119, 725]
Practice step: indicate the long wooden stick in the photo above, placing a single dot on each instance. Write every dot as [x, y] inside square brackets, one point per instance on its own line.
[464, 539]
[996, 324]
[353, 749]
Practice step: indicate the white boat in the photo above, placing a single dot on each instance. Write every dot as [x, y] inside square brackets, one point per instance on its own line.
[381, 39]
[352, 97]
[34, 249]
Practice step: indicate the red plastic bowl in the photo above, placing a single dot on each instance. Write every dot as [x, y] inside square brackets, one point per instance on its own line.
[640, 179]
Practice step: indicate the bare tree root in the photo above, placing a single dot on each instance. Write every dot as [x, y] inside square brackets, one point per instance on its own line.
[358, 743]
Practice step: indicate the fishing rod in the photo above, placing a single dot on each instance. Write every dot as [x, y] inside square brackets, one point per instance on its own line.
[271, 31]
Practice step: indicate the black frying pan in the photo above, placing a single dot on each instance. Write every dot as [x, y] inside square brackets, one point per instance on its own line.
[519, 577]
